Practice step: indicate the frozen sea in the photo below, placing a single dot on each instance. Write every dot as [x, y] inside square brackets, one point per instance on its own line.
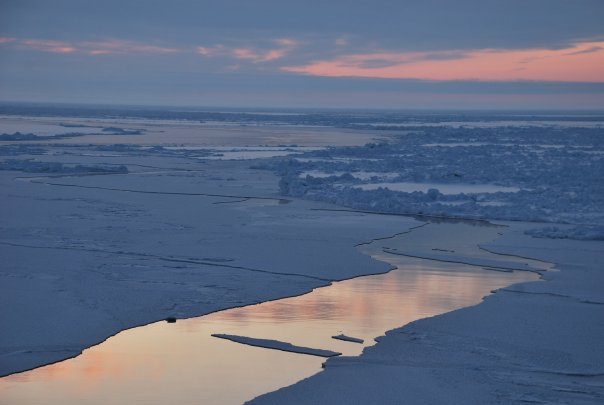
[285, 227]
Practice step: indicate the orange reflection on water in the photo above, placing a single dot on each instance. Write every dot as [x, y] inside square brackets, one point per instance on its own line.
[182, 363]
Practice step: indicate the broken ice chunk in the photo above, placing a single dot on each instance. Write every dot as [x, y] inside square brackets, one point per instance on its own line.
[347, 338]
[277, 345]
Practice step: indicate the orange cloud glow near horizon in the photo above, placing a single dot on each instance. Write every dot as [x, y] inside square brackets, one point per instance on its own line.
[583, 62]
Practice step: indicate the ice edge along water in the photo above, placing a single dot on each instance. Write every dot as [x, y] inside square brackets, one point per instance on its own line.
[533, 342]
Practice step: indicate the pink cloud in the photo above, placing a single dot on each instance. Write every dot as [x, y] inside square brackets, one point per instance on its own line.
[288, 42]
[253, 55]
[342, 41]
[100, 52]
[245, 53]
[210, 51]
[259, 56]
[45, 45]
[202, 50]
[117, 46]
[580, 63]
[273, 54]
[592, 49]
[6, 40]
[105, 47]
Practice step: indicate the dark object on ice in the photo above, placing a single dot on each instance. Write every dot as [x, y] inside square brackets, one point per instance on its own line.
[171, 319]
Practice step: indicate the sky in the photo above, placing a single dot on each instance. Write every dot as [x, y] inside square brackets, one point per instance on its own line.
[408, 54]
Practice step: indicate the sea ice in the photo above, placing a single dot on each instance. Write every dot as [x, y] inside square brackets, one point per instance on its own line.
[277, 345]
[87, 256]
[347, 338]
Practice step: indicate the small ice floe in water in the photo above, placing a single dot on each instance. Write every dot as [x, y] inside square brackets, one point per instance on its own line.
[347, 338]
[277, 345]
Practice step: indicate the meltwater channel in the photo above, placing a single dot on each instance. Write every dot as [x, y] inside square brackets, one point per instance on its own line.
[183, 363]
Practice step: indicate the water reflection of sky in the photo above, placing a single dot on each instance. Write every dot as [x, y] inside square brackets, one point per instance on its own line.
[181, 362]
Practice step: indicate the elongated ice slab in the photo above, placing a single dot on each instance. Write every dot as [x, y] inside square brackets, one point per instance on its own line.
[277, 345]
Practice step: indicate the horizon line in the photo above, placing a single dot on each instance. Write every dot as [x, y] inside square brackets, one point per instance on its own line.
[213, 108]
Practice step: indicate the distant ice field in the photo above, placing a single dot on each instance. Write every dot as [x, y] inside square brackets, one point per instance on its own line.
[182, 133]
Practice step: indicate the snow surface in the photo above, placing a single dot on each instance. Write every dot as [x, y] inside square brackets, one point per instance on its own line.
[277, 345]
[440, 188]
[94, 249]
[533, 181]
[584, 232]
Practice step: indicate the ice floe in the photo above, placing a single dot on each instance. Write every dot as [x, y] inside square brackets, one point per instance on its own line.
[277, 345]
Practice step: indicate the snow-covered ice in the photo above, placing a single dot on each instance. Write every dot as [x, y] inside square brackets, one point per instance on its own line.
[106, 231]
[510, 174]
[472, 261]
[440, 188]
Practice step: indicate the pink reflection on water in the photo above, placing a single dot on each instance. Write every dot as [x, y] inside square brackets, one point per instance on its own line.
[181, 363]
